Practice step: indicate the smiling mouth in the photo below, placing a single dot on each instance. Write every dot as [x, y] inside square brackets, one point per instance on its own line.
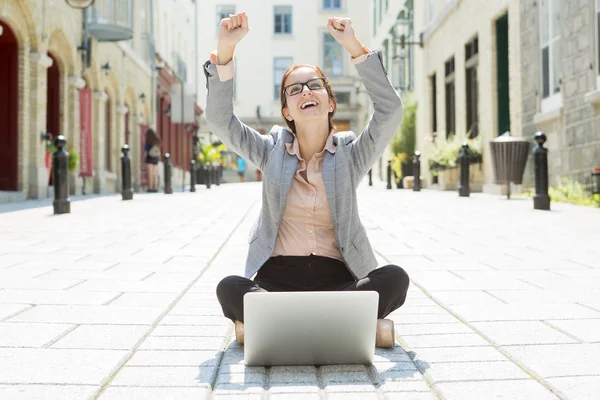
[308, 104]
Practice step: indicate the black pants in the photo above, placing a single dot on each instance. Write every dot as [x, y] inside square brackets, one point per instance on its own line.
[312, 273]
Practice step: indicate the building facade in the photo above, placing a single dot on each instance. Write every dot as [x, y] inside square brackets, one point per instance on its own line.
[89, 75]
[283, 33]
[560, 75]
[175, 38]
[467, 81]
[392, 24]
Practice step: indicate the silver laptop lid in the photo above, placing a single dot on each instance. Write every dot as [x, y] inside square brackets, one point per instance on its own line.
[310, 328]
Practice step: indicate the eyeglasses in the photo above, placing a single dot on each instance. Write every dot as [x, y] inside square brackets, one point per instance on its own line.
[313, 84]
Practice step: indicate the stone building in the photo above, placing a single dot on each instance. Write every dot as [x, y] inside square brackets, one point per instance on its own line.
[467, 79]
[87, 75]
[175, 38]
[391, 21]
[560, 78]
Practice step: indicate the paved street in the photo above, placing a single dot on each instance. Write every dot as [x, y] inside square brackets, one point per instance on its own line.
[117, 300]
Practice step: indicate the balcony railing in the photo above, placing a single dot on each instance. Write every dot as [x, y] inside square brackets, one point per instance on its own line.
[110, 20]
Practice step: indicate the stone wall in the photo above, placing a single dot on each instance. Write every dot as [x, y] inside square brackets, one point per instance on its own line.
[572, 129]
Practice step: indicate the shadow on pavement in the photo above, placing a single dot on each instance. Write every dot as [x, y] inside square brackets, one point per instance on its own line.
[229, 375]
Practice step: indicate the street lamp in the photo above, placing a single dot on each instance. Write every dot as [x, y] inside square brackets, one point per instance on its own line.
[80, 4]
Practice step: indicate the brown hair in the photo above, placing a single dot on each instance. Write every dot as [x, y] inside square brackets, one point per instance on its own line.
[152, 138]
[283, 98]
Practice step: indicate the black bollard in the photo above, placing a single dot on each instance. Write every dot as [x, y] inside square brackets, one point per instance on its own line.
[167, 162]
[389, 175]
[218, 174]
[463, 186]
[200, 174]
[126, 190]
[541, 200]
[61, 203]
[417, 171]
[193, 176]
[207, 175]
[370, 177]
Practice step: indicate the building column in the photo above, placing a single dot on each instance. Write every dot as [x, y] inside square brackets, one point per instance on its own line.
[34, 163]
[98, 147]
[75, 84]
[122, 110]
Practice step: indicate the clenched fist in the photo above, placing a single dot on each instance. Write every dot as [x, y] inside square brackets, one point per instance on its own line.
[343, 32]
[231, 31]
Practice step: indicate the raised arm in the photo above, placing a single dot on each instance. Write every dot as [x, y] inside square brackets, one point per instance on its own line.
[387, 105]
[222, 121]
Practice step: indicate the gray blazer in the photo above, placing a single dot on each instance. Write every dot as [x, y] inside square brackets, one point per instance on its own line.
[342, 171]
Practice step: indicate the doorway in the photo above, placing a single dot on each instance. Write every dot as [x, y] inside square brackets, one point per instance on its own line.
[9, 109]
[502, 68]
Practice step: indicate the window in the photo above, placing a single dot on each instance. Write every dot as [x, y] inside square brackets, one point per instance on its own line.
[550, 46]
[430, 13]
[342, 98]
[332, 4]
[471, 59]
[386, 54]
[332, 56]
[450, 98]
[223, 12]
[374, 17]
[280, 64]
[598, 35]
[283, 19]
[433, 88]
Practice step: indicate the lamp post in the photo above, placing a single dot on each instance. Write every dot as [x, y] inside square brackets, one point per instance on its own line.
[85, 43]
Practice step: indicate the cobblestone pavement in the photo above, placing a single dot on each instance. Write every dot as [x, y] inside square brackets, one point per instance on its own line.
[117, 300]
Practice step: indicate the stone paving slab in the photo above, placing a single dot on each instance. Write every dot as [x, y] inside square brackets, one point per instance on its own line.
[129, 304]
[46, 392]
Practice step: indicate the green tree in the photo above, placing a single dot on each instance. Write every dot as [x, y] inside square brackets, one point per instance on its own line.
[404, 142]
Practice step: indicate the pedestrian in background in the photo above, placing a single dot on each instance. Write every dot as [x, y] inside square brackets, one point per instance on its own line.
[151, 158]
[241, 164]
[309, 236]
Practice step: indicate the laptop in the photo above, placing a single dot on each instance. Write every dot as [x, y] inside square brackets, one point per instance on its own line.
[310, 328]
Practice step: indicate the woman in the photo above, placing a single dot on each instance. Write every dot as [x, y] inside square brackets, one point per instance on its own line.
[151, 158]
[308, 235]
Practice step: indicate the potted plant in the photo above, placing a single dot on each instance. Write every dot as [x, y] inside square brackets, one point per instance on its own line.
[443, 158]
[73, 160]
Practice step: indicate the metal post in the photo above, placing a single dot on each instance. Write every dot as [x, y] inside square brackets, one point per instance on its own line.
[541, 200]
[463, 187]
[370, 177]
[417, 171]
[207, 177]
[126, 190]
[389, 175]
[193, 176]
[167, 162]
[61, 203]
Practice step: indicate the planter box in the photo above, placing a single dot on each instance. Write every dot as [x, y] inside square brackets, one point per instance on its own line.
[448, 178]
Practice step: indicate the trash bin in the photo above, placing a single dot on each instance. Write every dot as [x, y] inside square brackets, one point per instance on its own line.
[509, 156]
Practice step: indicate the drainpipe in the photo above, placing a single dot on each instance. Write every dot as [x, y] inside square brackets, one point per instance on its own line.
[152, 46]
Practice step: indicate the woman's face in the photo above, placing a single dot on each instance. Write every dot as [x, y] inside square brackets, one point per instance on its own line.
[304, 104]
